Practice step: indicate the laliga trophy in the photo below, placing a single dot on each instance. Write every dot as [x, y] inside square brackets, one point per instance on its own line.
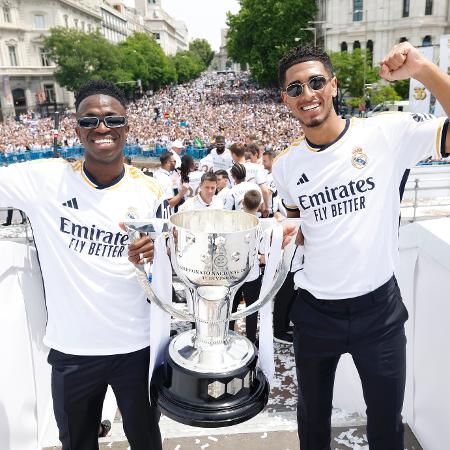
[210, 377]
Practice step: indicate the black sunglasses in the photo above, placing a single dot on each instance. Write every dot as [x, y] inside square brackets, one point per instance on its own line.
[109, 121]
[315, 83]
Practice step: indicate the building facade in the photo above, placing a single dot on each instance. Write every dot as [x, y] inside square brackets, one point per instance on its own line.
[171, 34]
[378, 25]
[27, 74]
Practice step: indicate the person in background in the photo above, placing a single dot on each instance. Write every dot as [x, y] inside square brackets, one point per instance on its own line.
[236, 193]
[223, 184]
[165, 176]
[250, 290]
[176, 149]
[205, 198]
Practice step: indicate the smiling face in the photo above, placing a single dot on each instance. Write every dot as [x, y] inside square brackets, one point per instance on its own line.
[312, 108]
[102, 145]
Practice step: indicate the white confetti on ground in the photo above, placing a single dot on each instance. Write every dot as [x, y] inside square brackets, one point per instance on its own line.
[177, 447]
[347, 439]
[263, 436]
[197, 441]
[212, 438]
[204, 446]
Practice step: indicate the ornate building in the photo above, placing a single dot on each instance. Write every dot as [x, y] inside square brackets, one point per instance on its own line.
[378, 25]
[26, 73]
[171, 34]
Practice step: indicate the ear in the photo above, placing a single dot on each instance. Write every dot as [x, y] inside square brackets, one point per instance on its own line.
[334, 85]
[284, 97]
[77, 131]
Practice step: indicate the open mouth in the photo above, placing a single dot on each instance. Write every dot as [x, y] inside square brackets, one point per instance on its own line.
[104, 141]
[311, 107]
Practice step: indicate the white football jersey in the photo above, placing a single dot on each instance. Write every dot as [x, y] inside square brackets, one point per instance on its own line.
[236, 194]
[197, 202]
[221, 161]
[254, 172]
[95, 305]
[348, 197]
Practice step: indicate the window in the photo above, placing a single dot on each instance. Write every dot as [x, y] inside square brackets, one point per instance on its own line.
[426, 42]
[7, 14]
[12, 55]
[49, 90]
[157, 35]
[369, 52]
[344, 46]
[428, 7]
[405, 12]
[66, 20]
[357, 10]
[75, 23]
[89, 28]
[403, 39]
[39, 21]
[82, 25]
[356, 45]
[45, 61]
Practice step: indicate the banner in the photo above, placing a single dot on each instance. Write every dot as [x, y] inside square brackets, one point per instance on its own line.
[419, 95]
[444, 65]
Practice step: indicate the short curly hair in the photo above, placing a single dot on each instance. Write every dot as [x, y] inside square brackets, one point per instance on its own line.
[98, 87]
[301, 54]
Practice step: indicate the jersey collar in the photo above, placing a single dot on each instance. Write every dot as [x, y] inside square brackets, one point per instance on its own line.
[320, 148]
[95, 184]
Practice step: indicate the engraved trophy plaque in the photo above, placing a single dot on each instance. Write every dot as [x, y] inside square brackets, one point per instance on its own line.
[210, 377]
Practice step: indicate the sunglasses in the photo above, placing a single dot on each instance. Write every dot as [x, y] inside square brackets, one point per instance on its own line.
[315, 83]
[109, 121]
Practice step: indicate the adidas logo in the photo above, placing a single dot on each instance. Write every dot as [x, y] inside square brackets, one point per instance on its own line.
[302, 179]
[71, 203]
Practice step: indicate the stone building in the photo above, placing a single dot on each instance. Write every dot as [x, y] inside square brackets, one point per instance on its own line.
[378, 25]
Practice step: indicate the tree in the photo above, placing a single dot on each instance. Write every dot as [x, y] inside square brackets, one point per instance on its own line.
[144, 59]
[81, 57]
[349, 68]
[264, 30]
[188, 65]
[202, 48]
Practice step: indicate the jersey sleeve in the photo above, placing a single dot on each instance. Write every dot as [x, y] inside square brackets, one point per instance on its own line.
[280, 176]
[415, 137]
[20, 185]
[260, 177]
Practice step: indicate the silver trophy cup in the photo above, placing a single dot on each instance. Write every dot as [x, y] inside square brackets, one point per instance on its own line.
[210, 377]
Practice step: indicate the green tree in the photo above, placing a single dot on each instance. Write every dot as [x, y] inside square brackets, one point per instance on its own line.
[144, 59]
[352, 72]
[383, 93]
[264, 30]
[202, 48]
[188, 66]
[81, 57]
[402, 88]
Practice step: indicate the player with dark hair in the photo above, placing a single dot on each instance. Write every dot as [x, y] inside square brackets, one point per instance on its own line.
[98, 317]
[343, 179]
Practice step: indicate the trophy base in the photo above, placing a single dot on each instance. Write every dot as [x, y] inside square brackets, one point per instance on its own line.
[209, 400]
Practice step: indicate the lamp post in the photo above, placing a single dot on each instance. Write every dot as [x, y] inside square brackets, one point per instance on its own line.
[318, 22]
[364, 13]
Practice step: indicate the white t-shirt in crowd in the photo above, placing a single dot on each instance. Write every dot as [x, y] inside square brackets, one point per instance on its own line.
[95, 305]
[165, 178]
[236, 194]
[348, 197]
[255, 172]
[177, 159]
[197, 202]
[222, 161]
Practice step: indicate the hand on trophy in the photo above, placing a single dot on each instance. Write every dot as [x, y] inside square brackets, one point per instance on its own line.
[141, 250]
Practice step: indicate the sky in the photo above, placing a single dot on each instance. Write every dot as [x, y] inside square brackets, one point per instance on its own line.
[203, 18]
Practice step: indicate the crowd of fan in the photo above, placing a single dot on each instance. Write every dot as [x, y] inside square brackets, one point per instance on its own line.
[225, 104]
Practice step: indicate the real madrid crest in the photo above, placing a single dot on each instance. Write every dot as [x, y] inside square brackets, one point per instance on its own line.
[359, 158]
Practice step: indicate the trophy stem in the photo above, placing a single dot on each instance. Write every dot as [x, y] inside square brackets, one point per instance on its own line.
[211, 312]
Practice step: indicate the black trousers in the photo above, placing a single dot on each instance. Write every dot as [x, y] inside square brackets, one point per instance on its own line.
[282, 305]
[371, 329]
[79, 386]
[250, 291]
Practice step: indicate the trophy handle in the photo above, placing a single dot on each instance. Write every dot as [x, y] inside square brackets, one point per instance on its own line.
[134, 233]
[282, 272]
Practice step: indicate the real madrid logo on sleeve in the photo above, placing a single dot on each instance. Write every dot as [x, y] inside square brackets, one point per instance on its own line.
[359, 158]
